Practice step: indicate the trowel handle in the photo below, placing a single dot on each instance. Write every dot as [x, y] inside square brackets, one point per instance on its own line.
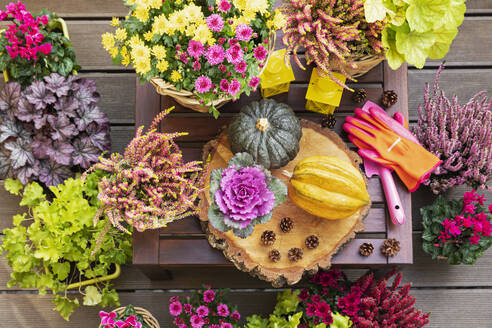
[395, 207]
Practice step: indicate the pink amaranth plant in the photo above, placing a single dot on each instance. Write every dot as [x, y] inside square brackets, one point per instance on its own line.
[331, 32]
[150, 185]
[460, 135]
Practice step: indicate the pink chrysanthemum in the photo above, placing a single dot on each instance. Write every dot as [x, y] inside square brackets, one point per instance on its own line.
[215, 22]
[223, 310]
[226, 325]
[188, 308]
[243, 32]
[234, 54]
[202, 311]
[235, 315]
[234, 87]
[196, 65]
[215, 55]
[196, 321]
[208, 296]
[241, 67]
[224, 6]
[224, 85]
[203, 84]
[175, 308]
[223, 68]
[260, 53]
[195, 49]
[183, 57]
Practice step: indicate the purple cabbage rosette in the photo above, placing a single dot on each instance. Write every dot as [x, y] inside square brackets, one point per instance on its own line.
[243, 194]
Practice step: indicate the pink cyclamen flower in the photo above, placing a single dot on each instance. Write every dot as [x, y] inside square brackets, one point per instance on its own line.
[107, 318]
[203, 84]
[224, 6]
[234, 87]
[208, 296]
[469, 208]
[241, 67]
[175, 308]
[243, 32]
[215, 55]
[234, 54]
[196, 321]
[474, 239]
[46, 48]
[235, 315]
[195, 49]
[202, 311]
[224, 85]
[215, 22]
[196, 65]
[260, 53]
[223, 310]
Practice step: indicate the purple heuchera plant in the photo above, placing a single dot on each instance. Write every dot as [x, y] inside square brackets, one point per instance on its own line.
[51, 129]
[243, 194]
[460, 135]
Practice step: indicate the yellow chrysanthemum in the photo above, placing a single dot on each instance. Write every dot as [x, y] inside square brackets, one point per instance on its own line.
[190, 30]
[141, 14]
[279, 20]
[155, 4]
[121, 34]
[142, 66]
[107, 40]
[257, 6]
[126, 60]
[178, 2]
[115, 21]
[249, 16]
[175, 76]
[240, 4]
[194, 13]
[162, 65]
[202, 33]
[148, 35]
[130, 2]
[113, 52]
[160, 25]
[143, 4]
[159, 52]
[179, 20]
[135, 40]
[140, 53]
[124, 51]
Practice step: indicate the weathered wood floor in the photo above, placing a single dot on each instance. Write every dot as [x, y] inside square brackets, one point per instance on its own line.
[458, 297]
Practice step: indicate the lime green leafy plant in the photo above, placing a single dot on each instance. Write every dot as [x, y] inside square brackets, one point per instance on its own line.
[416, 29]
[49, 247]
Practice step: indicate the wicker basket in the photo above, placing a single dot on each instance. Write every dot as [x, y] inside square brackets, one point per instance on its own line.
[364, 65]
[188, 99]
[146, 315]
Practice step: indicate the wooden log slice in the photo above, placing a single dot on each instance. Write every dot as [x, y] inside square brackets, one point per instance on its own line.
[249, 254]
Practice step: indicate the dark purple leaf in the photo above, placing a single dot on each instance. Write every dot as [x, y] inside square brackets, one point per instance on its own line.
[28, 113]
[39, 95]
[41, 145]
[4, 164]
[25, 173]
[85, 93]
[60, 152]
[20, 153]
[57, 84]
[99, 136]
[62, 127]
[11, 129]
[67, 106]
[53, 174]
[87, 84]
[9, 98]
[84, 153]
[88, 115]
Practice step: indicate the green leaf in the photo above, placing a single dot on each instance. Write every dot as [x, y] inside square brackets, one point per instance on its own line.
[444, 38]
[454, 15]
[426, 15]
[92, 296]
[242, 160]
[279, 189]
[109, 297]
[33, 195]
[255, 321]
[374, 10]
[394, 58]
[287, 302]
[65, 306]
[18, 219]
[414, 46]
[216, 218]
[340, 321]
[61, 270]
[13, 186]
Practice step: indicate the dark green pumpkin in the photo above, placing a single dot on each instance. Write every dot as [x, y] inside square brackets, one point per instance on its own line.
[267, 130]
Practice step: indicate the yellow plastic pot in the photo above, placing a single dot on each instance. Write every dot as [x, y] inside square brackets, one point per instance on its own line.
[93, 281]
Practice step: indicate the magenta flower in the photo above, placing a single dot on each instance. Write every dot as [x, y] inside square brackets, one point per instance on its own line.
[196, 321]
[175, 308]
[214, 326]
[215, 55]
[474, 239]
[222, 68]
[196, 65]
[253, 83]
[224, 85]
[215, 23]
[469, 208]
[208, 296]
[235, 315]
[223, 309]
[260, 53]
[45, 48]
[224, 6]
[234, 54]
[243, 32]
[202, 311]
[182, 326]
[234, 87]
[226, 325]
[203, 84]
[195, 49]
[178, 321]
[107, 318]
[241, 67]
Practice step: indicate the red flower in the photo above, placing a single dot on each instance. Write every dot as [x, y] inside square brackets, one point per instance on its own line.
[469, 208]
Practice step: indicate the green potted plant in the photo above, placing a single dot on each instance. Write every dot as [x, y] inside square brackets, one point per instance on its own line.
[50, 246]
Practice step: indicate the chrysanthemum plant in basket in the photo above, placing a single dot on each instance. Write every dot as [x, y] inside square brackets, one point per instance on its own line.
[202, 53]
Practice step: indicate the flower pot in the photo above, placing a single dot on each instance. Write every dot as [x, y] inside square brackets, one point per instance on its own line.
[364, 65]
[148, 318]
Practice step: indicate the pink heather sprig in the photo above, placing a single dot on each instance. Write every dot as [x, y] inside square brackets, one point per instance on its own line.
[332, 32]
[24, 36]
[460, 135]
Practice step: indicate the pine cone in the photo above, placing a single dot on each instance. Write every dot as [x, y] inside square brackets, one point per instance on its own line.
[268, 237]
[329, 121]
[286, 224]
[390, 247]
[312, 242]
[366, 249]
[389, 98]
[294, 254]
[359, 95]
[274, 255]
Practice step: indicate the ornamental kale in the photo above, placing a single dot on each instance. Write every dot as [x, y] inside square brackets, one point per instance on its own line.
[242, 195]
[460, 135]
[51, 129]
[49, 246]
[457, 230]
[34, 46]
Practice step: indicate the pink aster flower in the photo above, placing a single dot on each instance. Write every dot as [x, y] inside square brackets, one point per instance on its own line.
[203, 84]
[224, 85]
[175, 308]
[260, 53]
[188, 308]
[235, 315]
[223, 68]
[234, 55]
[196, 321]
[222, 40]
[223, 310]
[195, 49]
[253, 83]
[215, 55]
[244, 32]
[183, 57]
[215, 22]
[178, 321]
[196, 65]
[202, 311]
[241, 67]
[208, 296]
[224, 6]
[234, 87]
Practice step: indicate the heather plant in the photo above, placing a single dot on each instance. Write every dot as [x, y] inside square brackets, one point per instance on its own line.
[51, 129]
[458, 231]
[150, 185]
[33, 46]
[460, 135]
[331, 32]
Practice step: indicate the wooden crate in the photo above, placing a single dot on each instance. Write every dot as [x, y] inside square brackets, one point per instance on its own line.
[183, 244]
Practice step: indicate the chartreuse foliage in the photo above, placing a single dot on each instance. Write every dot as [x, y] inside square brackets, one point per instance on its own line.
[417, 29]
[284, 315]
[49, 246]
